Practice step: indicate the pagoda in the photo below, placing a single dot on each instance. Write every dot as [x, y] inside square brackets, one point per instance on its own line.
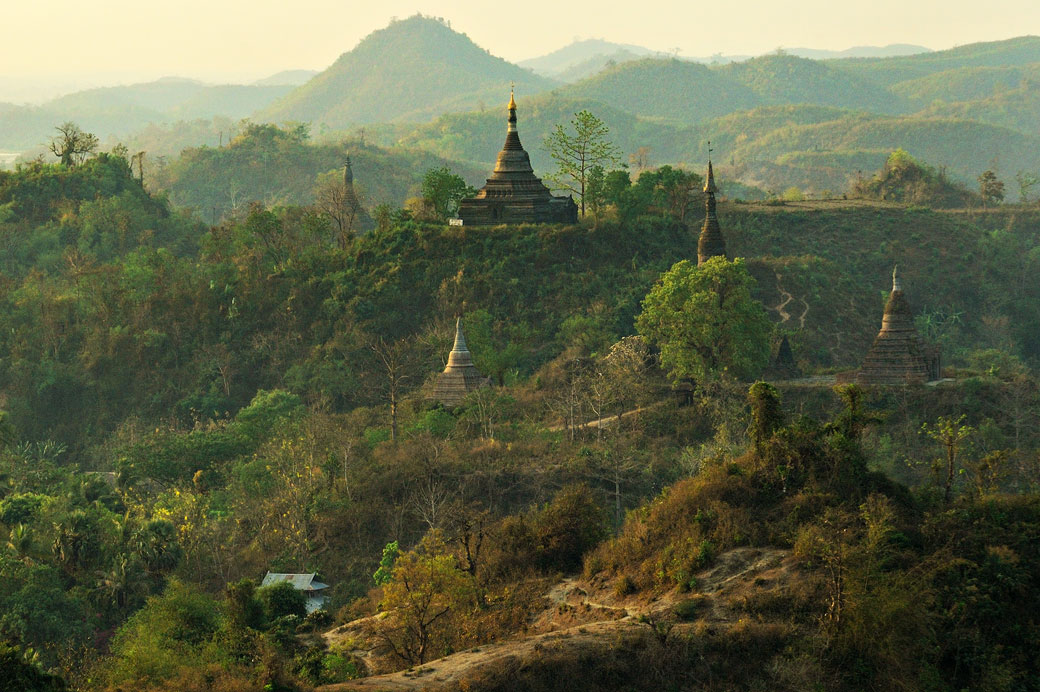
[361, 220]
[460, 376]
[710, 243]
[514, 194]
[899, 355]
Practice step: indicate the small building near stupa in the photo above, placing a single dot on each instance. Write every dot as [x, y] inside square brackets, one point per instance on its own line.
[710, 243]
[899, 355]
[783, 365]
[514, 194]
[460, 376]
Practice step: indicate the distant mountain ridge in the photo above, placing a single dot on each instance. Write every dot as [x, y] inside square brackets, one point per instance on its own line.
[584, 58]
[121, 110]
[413, 70]
[587, 51]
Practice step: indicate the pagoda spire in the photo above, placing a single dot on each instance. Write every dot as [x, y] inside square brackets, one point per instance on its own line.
[710, 243]
[898, 354]
[348, 173]
[460, 376]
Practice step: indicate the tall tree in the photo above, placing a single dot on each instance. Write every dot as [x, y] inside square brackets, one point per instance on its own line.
[991, 188]
[706, 322]
[577, 154]
[444, 190]
[72, 145]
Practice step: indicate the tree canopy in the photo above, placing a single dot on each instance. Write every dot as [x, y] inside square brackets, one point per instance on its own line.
[706, 322]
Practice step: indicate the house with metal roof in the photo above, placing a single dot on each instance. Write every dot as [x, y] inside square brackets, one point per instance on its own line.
[312, 589]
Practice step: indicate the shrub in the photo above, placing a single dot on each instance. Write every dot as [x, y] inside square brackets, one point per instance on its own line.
[282, 599]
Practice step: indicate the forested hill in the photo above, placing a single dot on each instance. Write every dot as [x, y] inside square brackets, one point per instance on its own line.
[281, 166]
[415, 69]
[1021, 51]
[186, 408]
[117, 323]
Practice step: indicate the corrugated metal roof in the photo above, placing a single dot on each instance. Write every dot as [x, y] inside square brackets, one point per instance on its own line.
[301, 582]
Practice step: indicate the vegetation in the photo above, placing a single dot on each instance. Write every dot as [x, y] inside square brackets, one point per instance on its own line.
[188, 406]
[444, 69]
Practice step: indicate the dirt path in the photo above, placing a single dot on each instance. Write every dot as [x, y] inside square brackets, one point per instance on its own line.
[786, 299]
[581, 618]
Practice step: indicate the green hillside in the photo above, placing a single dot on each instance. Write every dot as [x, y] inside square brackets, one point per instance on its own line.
[965, 83]
[678, 90]
[415, 69]
[1015, 109]
[783, 79]
[1023, 50]
[279, 167]
[964, 148]
[816, 148]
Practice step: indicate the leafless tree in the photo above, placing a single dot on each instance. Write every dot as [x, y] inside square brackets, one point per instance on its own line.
[397, 365]
[72, 145]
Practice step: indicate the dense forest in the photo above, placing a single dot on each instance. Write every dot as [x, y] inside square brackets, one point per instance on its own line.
[193, 399]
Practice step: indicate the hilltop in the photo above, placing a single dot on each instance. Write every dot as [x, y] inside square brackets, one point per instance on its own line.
[433, 70]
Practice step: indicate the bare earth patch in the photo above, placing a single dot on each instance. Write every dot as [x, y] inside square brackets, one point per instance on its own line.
[585, 620]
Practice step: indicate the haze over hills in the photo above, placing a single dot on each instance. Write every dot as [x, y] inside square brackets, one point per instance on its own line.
[433, 70]
[586, 52]
[889, 51]
[586, 57]
[121, 110]
[782, 119]
[287, 77]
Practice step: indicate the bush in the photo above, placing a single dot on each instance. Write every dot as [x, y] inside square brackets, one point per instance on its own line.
[690, 608]
[570, 525]
[282, 599]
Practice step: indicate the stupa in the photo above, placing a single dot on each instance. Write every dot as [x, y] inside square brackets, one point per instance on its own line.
[514, 194]
[460, 376]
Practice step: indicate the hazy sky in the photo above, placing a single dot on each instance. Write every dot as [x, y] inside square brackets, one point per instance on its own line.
[119, 40]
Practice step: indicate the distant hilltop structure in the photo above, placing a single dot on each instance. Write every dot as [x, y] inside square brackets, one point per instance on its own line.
[460, 376]
[710, 243]
[514, 194]
[898, 354]
[361, 221]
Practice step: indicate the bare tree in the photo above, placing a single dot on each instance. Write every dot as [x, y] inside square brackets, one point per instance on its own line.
[397, 365]
[72, 145]
[337, 198]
